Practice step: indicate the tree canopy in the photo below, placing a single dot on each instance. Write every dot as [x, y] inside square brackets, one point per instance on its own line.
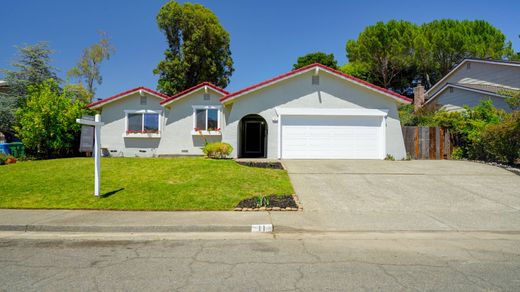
[88, 67]
[47, 122]
[392, 54]
[316, 57]
[198, 48]
[32, 67]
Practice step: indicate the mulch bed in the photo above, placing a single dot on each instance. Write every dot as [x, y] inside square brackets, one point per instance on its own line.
[273, 165]
[276, 203]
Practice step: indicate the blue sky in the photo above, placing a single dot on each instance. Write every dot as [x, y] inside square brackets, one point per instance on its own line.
[266, 36]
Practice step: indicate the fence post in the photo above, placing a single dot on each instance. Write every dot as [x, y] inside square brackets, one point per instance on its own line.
[441, 142]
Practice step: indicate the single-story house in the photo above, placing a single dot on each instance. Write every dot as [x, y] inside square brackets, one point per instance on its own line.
[314, 112]
[475, 80]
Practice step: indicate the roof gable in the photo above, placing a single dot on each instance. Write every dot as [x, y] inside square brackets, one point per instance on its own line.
[462, 87]
[436, 88]
[124, 94]
[319, 68]
[203, 85]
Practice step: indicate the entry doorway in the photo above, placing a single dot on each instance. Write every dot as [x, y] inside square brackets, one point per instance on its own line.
[253, 137]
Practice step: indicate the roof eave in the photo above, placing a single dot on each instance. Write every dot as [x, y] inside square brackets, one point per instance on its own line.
[105, 101]
[192, 90]
[447, 85]
[231, 97]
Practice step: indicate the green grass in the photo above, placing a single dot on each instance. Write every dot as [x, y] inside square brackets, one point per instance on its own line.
[136, 184]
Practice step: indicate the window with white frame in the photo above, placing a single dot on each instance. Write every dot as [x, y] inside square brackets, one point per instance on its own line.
[206, 118]
[142, 122]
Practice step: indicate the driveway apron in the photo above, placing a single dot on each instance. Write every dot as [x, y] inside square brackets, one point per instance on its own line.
[375, 195]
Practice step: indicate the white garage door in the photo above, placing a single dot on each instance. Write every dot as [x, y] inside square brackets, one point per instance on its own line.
[332, 137]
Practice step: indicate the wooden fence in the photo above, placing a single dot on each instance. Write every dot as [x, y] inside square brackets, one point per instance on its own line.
[432, 143]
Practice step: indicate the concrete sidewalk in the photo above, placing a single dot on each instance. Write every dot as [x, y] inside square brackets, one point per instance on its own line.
[129, 221]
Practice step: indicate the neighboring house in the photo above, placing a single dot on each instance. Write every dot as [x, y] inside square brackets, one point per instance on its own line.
[474, 80]
[314, 112]
[3, 86]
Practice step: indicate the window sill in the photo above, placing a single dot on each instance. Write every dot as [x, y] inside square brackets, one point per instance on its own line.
[141, 135]
[207, 133]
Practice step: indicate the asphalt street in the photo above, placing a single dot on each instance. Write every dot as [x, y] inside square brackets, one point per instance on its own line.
[393, 261]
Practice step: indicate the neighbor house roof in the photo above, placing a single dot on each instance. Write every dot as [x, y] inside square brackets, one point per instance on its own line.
[475, 60]
[102, 102]
[311, 67]
[478, 88]
[205, 85]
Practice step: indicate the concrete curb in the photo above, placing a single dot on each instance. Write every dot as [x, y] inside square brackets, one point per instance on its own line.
[128, 229]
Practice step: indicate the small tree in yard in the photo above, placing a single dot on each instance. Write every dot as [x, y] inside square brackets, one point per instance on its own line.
[47, 123]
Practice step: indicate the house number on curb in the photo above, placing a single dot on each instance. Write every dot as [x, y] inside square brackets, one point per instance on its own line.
[97, 147]
[262, 228]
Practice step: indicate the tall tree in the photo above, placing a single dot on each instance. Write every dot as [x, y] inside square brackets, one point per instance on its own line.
[386, 50]
[198, 48]
[47, 122]
[32, 67]
[356, 69]
[88, 68]
[441, 44]
[398, 52]
[316, 57]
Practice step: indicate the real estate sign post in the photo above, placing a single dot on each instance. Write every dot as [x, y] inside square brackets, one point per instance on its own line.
[96, 123]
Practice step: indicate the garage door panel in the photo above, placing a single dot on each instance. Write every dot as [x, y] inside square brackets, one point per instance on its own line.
[331, 137]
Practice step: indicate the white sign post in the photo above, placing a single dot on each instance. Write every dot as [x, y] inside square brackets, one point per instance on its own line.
[97, 148]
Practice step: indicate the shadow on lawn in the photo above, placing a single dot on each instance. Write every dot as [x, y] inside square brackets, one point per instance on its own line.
[108, 194]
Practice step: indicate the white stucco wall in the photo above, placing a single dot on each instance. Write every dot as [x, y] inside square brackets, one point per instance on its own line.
[177, 138]
[112, 133]
[332, 92]
[456, 99]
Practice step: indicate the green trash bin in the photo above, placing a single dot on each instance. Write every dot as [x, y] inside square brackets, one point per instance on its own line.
[17, 149]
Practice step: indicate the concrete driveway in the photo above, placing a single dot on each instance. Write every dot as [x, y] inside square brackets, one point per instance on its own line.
[361, 195]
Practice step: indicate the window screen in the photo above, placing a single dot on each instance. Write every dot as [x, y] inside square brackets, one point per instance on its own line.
[135, 122]
[200, 119]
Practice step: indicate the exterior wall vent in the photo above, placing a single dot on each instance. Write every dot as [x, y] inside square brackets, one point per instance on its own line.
[468, 66]
[451, 89]
[143, 100]
[206, 96]
[315, 80]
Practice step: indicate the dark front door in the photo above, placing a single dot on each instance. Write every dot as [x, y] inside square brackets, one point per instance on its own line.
[253, 138]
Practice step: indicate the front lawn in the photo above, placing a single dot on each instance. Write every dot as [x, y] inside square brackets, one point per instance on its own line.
[137, 184]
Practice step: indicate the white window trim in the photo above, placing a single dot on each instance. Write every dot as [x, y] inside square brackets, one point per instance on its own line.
[205, 132]
[143, 135]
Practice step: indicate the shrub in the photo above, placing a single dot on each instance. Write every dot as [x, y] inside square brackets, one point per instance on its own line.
[501, 142]
[217, 150]
[457, 153]
[10, 160]
[390, 157]
[3, 158]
